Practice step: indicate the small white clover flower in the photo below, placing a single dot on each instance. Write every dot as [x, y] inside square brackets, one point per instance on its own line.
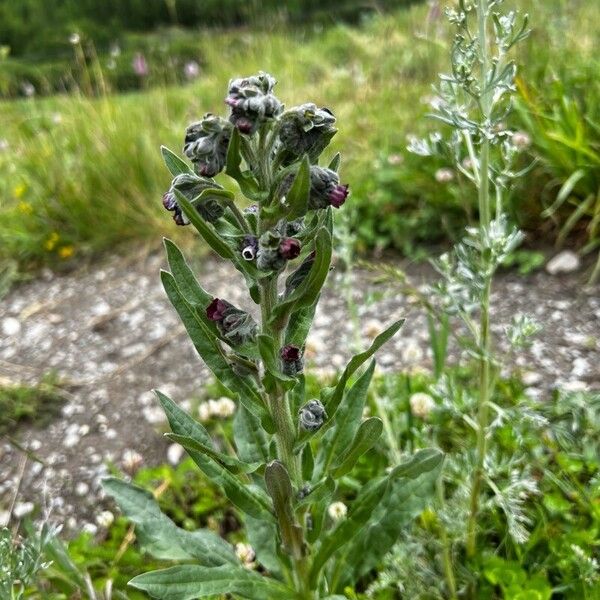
[444, 175]
[225, 407]
[204, 412]
[421, 404]
[337, 511]
[105, 519]
[74, 39]
[245, 552]
[412, 353]
[131, 461]
[372, 328]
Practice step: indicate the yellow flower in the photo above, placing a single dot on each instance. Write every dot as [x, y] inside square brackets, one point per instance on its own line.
[25, 207]
[66, 251]
[50, 243]
[20, 190]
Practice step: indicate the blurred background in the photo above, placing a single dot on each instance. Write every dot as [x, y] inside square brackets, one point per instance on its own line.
[91, 89]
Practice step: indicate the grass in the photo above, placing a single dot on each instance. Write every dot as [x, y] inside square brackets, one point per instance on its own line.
[35, 405]
[81, 175]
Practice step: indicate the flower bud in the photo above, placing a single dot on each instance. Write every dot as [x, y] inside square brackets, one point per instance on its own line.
[252, 101]
[306, 129]
[289, 248]
[268, 256]
[191, 186]
[249, 247]
[206, 144]
[312, 415]
[325, 189]
[235, 325]
[291, 360]
[298, 276]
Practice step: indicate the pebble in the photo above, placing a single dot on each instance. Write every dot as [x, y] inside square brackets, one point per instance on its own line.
[11, 326]
[22, 509]
[174, 454]
[564, 262]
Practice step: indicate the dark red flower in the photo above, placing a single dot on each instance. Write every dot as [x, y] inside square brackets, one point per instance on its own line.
[291, 353]
[289, 248]
[215, 311]
[338, 195]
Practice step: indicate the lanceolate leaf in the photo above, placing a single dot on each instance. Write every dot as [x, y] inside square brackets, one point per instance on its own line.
[189, 582]
[334, 165]
[234, 159]
[250, 438]
[175, 164]
[368, 433]
[186, 281]
[297, 197]
[347, 421]
[210, 351]
[159, 536]
[232, 464]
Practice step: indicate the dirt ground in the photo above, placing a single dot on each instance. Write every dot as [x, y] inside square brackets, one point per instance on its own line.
[110, 333]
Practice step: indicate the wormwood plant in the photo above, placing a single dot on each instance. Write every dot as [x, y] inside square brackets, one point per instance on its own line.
[290, 451]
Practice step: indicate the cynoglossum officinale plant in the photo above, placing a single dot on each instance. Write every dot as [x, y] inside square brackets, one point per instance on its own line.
[289, 451]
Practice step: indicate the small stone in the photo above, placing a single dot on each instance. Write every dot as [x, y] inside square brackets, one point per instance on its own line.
[84, 429]
[110, 434]
[11, 326]
[71, 440]
[82, 488]
[131, 461]
[564, 262]
[574, 386]
[90, 528]
[105, 519]
[174, 454]
[580, 367]
[531, 378]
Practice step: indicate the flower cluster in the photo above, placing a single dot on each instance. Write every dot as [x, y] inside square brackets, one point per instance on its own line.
[209, 207]
[252, 102]
[206, 144]
[236, 326]
[325, 189]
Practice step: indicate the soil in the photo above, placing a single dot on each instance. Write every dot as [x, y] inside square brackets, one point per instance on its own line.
[109, 332]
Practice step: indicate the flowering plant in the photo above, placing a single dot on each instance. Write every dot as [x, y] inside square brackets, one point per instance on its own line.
[290, 451]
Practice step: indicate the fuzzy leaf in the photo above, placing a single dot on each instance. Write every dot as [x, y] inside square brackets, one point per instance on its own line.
[188, 582]
[368, 433]
[250, 438]
[266, 347]
[232, 464]
[233, 166]
[159, 536]
[186, 281]
[334, 165]
[263, 536]
[209, 349]
[175, 164]
[297, 197]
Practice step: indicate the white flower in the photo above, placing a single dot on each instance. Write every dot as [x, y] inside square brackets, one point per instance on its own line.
[4, 145]
[225, 407]
[204, 412]
[245, 552]
[74, 39]
[444, 175]
[191, 70]
[395, 159]
[412, 353]
[90, 528]
[521, 140]
[421, 404]
[372, 328]
[105, 519]
[337, 511]
[131, 461]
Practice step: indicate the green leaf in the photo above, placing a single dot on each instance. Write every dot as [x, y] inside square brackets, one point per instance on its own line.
[209, 349]
[232, 464]
[188, 582]
[319, 499]
[360, 512]
[297, 197]
[308, 291]
[246, 182]
[271, 361]
[331, 397]
[250, 439]
[210, 235]
[186, 281]
[159, 536]
[421, 462]
[308, 463]
[280, 489]
[175, 165]
[404, 500]
[347, 421]
[334, 165]
[263, 537]
[368, 433]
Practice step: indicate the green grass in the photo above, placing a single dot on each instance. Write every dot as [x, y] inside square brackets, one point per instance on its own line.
[35, 405]
[81, 176]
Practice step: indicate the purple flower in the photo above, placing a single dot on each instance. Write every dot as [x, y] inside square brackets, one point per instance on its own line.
[249, 247]
[140, 65]
[216, 310]
[338, 195]
[191, 70]
[289, 248]
[291, 360]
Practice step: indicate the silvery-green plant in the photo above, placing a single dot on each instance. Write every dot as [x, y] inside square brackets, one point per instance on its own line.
[474, 100]
[291, 451]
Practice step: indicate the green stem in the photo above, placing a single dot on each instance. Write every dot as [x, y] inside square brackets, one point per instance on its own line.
[388, 430]
[446, 547]
[485, 345]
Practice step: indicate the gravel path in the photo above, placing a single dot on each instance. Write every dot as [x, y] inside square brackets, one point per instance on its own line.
[111, 333]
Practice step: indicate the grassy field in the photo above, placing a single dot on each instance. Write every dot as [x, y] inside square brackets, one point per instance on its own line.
[81, 175]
